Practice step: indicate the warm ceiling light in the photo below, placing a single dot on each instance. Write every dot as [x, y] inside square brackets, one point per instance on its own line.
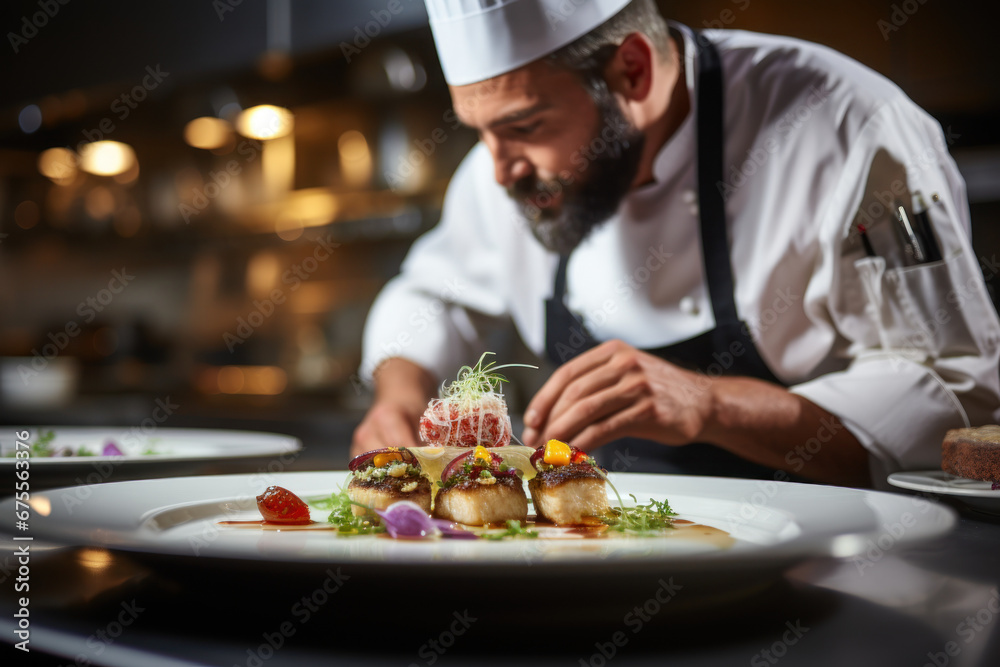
[99, 203]
[353, 146]
[311, 207]
[58, 164]
[355, 158]
[265, 122]
[231, 379]
[106, 158]
[207, 132]
[259, 380]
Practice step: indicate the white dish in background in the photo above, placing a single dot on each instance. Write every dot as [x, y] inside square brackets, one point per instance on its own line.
[972, 492]
[775, 525]
[178, 452]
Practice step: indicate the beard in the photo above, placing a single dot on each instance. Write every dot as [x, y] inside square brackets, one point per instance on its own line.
[612, 161]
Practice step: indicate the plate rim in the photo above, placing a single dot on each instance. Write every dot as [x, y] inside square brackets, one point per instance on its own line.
[841, 544]
[898, 481]
[278, 443]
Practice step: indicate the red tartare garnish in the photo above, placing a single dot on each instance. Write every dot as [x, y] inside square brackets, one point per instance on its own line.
[279, 505]
[448, 424]
[471, 410]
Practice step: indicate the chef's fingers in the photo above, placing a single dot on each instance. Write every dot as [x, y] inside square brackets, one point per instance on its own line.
[616, 425]
[624, 395]
[538, 409]
[588, 384]
[383, 426]
[396, 429]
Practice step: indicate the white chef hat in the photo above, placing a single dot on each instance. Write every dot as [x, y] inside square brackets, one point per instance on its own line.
[480, 39]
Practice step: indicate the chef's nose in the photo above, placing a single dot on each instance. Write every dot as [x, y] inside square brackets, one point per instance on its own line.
[509, 166]
[510, 170]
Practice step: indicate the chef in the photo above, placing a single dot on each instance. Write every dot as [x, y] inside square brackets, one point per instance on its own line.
[747, 255]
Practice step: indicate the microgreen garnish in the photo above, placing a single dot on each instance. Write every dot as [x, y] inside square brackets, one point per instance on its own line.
[514, 529]
[341, 515]
[655, 516]
[474, 381]
[42, 446]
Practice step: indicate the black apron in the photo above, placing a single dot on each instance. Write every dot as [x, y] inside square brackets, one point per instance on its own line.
[727, 349]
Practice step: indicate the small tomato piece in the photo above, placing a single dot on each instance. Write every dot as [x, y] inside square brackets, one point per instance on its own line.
[385, 458]
[557, 453]
[279, 505]
[579, 457]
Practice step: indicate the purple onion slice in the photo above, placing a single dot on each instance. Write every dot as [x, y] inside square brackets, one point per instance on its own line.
[111, 449]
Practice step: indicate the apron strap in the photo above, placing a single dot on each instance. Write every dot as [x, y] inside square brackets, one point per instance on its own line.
[559, 289]
[711, 205]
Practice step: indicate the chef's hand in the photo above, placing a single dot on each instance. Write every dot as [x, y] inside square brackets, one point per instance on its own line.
[402, 390]
[613, 391]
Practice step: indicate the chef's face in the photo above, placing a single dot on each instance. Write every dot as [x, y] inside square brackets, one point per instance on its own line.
[566, 155]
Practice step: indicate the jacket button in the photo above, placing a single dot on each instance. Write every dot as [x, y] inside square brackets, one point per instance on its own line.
[689, 306]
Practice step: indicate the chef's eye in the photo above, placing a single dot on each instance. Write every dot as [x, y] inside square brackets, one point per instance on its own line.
[525, 130]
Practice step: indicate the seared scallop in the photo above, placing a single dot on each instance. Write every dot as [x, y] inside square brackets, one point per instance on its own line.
[569, 494]
[380, 494]
[382, 477]
[476, 504]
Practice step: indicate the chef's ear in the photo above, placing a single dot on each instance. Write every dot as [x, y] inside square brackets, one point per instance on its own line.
[629, 73]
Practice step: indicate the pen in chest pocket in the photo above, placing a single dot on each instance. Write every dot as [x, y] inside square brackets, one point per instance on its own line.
[923, 224]
[902, 235]
[911, 244]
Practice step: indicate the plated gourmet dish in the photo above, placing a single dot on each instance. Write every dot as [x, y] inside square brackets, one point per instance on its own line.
[469, 481]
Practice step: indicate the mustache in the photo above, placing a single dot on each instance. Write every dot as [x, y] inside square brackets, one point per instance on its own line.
[531, 185]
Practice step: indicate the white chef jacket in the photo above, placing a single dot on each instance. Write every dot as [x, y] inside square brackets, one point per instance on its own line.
[814, 144]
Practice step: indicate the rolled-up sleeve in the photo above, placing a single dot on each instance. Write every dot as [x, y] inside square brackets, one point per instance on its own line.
[922, 341]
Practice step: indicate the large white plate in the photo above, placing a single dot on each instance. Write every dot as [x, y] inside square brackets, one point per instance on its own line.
[774, 525]
[971, 492]
[178, 452]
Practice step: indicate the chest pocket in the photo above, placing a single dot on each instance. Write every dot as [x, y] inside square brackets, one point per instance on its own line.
[923, 312]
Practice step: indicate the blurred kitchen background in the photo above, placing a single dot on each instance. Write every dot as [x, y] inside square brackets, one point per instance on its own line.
[200, 199]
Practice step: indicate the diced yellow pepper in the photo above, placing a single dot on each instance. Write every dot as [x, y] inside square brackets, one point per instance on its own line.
[386, 458]
[557, 453]
[482, 455]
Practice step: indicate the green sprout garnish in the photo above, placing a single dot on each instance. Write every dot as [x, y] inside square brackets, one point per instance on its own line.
[649, 518]
[341, 515]
[655, 516]
[474, 381]
[41, 447]
[515, 530]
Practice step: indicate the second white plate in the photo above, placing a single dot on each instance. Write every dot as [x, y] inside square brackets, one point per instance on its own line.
[971, 492]
[178, 451]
